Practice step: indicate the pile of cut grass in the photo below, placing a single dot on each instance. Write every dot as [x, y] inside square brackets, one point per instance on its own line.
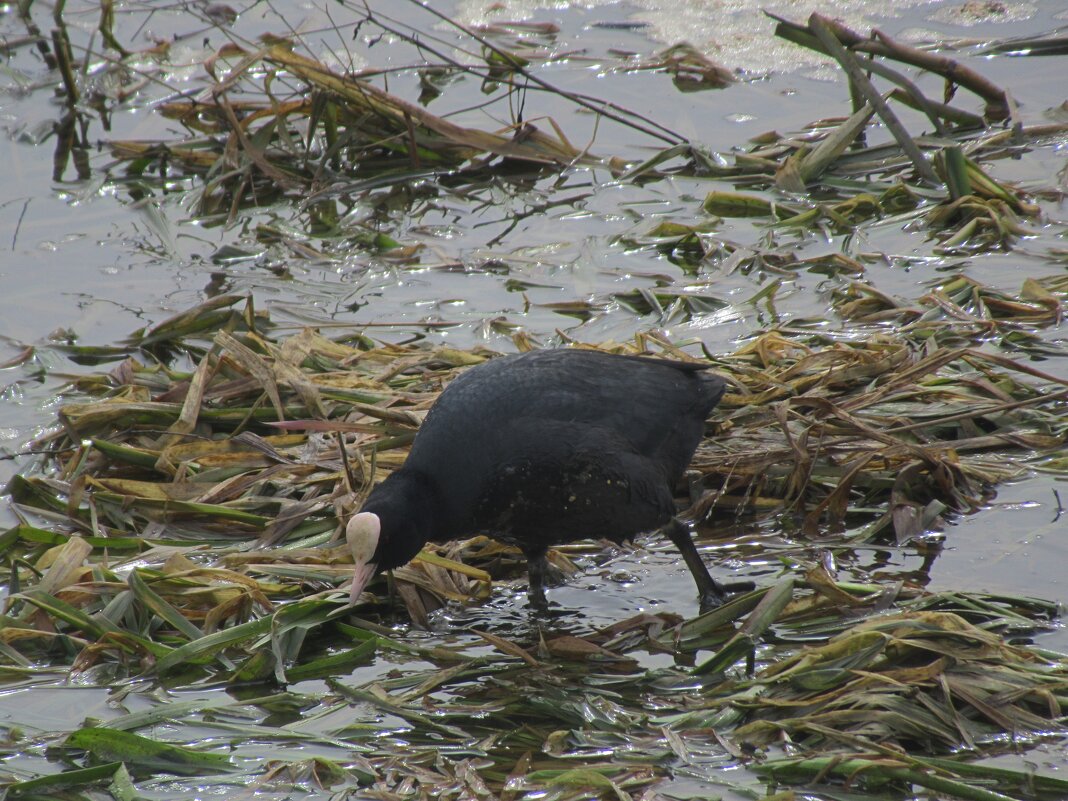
[178, 508]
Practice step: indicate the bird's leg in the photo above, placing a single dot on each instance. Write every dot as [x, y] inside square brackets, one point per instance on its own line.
[712, 593]
[693, 485]
[538, 569]
[391, 588]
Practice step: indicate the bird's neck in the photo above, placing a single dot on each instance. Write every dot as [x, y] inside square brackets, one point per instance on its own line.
[406, 503]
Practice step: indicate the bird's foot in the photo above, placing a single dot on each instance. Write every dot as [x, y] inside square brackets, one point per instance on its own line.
[542, 575]
[536, 598]
[722, 593]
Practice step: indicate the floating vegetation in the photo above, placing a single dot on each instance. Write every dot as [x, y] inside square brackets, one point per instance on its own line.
[987, 218]
[925, 682]
[935, 180]
[182, 530]
[175, 541]
[355, 122]
[243, 452]
[961, 309]
[283, 124]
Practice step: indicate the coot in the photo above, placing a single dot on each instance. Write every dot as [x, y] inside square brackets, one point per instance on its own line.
[543, 448]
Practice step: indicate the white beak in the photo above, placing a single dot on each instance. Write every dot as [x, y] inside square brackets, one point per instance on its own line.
[362, 534]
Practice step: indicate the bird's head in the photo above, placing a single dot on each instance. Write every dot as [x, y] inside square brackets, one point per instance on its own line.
[381, 540]
[363, 535]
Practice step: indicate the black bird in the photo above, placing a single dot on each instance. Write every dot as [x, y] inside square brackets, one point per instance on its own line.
[543, 448]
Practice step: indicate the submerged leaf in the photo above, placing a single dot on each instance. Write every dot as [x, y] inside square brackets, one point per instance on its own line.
[140, 752]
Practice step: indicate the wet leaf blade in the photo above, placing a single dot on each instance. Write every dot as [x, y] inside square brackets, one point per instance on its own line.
[136, 751]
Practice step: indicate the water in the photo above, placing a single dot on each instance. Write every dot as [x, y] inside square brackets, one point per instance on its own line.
[92, 259]
[87, 261]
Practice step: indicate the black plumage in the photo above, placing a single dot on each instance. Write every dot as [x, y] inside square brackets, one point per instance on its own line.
[544, 448]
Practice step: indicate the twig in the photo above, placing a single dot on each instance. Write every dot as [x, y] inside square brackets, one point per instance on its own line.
[61, 45]
[35, 33]
[942, 110]
[823, 31]
[605, 108]
[883, 45]
[912, 91]
[18, 223]
[350, 479]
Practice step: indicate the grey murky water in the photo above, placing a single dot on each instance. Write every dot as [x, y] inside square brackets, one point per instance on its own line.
[92, 261]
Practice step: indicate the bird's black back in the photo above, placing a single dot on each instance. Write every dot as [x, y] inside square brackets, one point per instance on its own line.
[555, 445]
